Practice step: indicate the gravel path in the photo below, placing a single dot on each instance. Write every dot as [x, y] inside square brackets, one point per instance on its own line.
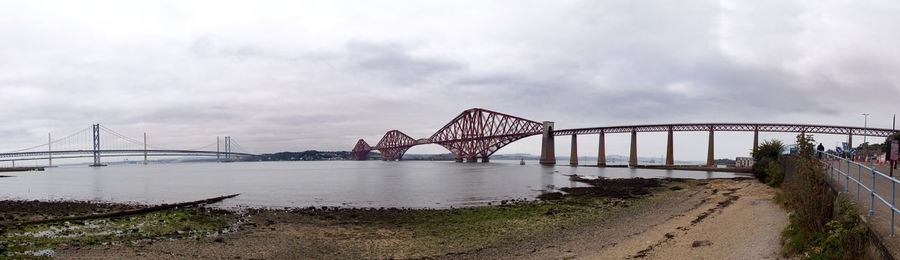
[739, 221]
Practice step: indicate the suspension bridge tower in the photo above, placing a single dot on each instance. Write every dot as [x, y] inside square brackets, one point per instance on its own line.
[96, 152]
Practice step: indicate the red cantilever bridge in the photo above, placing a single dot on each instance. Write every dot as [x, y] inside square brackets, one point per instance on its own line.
[479, 133]
[474, 133]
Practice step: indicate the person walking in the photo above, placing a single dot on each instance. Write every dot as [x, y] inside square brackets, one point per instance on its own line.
[821, 150]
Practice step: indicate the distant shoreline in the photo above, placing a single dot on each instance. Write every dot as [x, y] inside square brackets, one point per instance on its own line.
[20, 169]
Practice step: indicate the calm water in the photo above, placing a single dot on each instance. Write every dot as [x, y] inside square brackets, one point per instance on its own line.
[416, 184]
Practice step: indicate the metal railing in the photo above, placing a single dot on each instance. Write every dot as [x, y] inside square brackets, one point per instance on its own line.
[831, 159]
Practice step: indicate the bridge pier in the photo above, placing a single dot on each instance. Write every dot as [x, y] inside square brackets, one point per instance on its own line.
[228, 148]
[548, 155]
[709, 156]
[472, 160]
[485, 159]
[49, 150]
[849, 143]
[633, 160]
[145, 148]
[601, 153]
[755, 139]
[670, 153]
[459, 160]
[573, 156]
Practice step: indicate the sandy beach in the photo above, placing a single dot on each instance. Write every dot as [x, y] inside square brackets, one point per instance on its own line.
[612, 219]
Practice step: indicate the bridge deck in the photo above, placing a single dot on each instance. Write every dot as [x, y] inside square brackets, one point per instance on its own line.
[69, 154]
[738, 127]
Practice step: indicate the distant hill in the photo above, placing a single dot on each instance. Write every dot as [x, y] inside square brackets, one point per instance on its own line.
[311, 155]
[430, 157]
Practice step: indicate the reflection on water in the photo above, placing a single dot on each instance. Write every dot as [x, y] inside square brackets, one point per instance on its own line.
[414, 184]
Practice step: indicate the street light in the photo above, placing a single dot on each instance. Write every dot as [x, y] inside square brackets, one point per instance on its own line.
[865, 133]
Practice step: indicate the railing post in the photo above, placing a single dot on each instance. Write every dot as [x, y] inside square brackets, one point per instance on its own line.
[892, 207]
[872, 202]
[858, 180]
[831, 169]
[847, 180]
[837, 169]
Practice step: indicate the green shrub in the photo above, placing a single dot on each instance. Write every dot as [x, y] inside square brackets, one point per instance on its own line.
[775, 174]
[768, 149]
[759, 169]
[768, 163]
[815, 230]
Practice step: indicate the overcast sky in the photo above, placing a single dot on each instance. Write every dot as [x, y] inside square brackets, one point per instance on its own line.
[298, 75]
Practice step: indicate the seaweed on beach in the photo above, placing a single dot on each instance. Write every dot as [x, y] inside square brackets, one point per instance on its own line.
[613, 188]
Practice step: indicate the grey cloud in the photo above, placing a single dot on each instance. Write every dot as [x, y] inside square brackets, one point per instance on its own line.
[298, 78]
[396, 63]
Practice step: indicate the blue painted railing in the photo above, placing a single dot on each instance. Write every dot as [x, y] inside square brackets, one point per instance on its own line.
[830, 159]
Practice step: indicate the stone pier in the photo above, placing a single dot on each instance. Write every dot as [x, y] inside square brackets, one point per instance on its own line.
[633, 160]
[670, 153]
[573, 156]
[709, 156]
[601, 153]
[548, 155]
[755, 139]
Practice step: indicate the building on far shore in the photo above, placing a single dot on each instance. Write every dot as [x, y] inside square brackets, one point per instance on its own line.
[743, 162]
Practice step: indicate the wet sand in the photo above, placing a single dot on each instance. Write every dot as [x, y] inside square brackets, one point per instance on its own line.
[614, 219]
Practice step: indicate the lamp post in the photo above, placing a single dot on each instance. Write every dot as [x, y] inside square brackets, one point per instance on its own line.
[865, 133]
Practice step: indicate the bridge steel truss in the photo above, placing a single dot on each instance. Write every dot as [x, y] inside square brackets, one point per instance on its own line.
[711, 128]
[394, 144]
[735, 127]
[474, 133]
[479, 133]
[361, 150]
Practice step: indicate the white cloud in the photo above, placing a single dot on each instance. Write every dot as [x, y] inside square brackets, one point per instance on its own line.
[295, 75]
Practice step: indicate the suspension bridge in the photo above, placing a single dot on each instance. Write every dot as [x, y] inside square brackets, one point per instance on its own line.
[478, 133]
[98, 142]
